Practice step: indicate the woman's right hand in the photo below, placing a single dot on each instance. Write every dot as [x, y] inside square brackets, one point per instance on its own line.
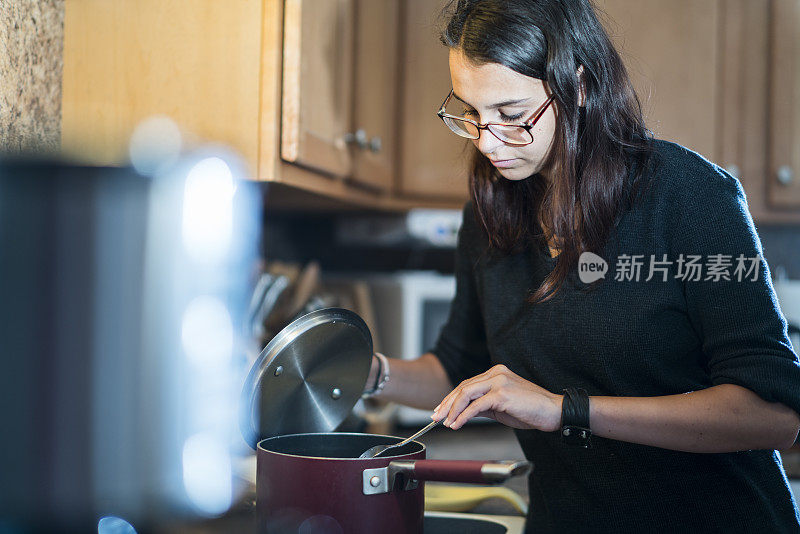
[504, 396]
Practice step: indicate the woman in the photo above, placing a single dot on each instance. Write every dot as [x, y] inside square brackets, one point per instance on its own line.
[652, 402]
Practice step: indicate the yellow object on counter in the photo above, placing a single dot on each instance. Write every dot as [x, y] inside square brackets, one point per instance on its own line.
[450, 498]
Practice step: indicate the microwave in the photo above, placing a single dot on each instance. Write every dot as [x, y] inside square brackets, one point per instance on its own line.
[410, 309]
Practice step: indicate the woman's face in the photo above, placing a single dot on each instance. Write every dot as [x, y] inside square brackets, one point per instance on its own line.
[494, 93]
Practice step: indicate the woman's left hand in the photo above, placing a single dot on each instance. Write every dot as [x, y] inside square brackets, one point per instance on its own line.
[504, 396]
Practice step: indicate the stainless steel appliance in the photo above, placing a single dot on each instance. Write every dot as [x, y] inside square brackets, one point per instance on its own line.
[123, 301]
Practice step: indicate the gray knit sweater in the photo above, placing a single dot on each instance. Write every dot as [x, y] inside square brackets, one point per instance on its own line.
[703, 318]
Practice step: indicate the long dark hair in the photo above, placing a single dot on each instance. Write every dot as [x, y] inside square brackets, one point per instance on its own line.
[599, 150]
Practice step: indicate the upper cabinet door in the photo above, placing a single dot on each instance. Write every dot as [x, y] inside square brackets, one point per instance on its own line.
[744, 81]
[196, 61]
[375, 105]
[671, 51]
[433, 161]
[784, 157]
[317, 84]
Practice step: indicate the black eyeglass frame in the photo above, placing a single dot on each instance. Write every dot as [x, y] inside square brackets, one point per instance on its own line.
[526, 125]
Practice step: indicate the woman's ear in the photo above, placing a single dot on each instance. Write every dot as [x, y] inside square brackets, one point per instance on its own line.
[581, 87]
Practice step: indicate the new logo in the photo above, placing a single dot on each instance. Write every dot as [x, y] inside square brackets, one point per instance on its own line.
[591, 267]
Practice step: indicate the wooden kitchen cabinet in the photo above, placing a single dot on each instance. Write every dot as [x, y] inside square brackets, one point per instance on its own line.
[783, 171]
[743, 80]
[376, 93]
[337, 98]
[672, 53]
[196, 61]
[721, 78]
[281, 82]
[392, 146]
[433, 161]
[340, 90]
[759, 122]
[317, 84]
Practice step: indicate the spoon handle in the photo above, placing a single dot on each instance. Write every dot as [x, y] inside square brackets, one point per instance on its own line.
[418, 434]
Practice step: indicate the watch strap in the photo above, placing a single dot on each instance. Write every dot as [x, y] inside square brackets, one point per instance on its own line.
[575, 429]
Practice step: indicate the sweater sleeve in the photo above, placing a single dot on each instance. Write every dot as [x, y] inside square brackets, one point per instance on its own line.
[743, 332]
[461, 346]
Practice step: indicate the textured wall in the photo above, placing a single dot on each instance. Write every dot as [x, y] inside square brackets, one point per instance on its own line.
[31, 59]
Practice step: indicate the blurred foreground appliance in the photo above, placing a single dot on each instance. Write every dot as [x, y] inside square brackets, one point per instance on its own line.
[410, 310]
[122, 308]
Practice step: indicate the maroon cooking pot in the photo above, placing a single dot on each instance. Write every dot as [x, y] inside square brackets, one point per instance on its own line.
[311, 480]
[315, 483]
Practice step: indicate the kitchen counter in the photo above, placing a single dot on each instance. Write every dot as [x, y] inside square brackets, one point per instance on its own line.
[242, 520]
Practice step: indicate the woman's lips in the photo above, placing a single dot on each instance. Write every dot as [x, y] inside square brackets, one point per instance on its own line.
[503, 163]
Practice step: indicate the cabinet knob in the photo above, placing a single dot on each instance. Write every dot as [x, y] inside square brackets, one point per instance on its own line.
[375, 144]
[785, 175]
[359, 138]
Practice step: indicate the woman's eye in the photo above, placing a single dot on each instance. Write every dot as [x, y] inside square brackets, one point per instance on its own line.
[511, 118]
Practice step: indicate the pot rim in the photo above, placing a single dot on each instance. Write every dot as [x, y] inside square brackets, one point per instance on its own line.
[260, 447]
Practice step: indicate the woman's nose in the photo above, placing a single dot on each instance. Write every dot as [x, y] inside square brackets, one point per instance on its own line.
[487, 142]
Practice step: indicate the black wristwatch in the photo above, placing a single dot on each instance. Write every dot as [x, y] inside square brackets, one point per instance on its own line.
[575, 430]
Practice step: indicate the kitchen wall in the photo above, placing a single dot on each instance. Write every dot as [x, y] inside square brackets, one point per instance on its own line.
[302, 237]
[31, 59]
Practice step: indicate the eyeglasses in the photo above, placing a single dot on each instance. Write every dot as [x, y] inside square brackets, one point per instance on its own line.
[511, 134]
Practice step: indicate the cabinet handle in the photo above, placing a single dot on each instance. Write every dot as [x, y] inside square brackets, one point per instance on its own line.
[359, 139]
[375, 144]
[785, 175]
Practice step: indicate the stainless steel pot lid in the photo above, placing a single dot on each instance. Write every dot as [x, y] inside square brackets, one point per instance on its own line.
[308, 378]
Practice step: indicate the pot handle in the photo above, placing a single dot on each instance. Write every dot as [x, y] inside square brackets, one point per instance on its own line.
[469, 471]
